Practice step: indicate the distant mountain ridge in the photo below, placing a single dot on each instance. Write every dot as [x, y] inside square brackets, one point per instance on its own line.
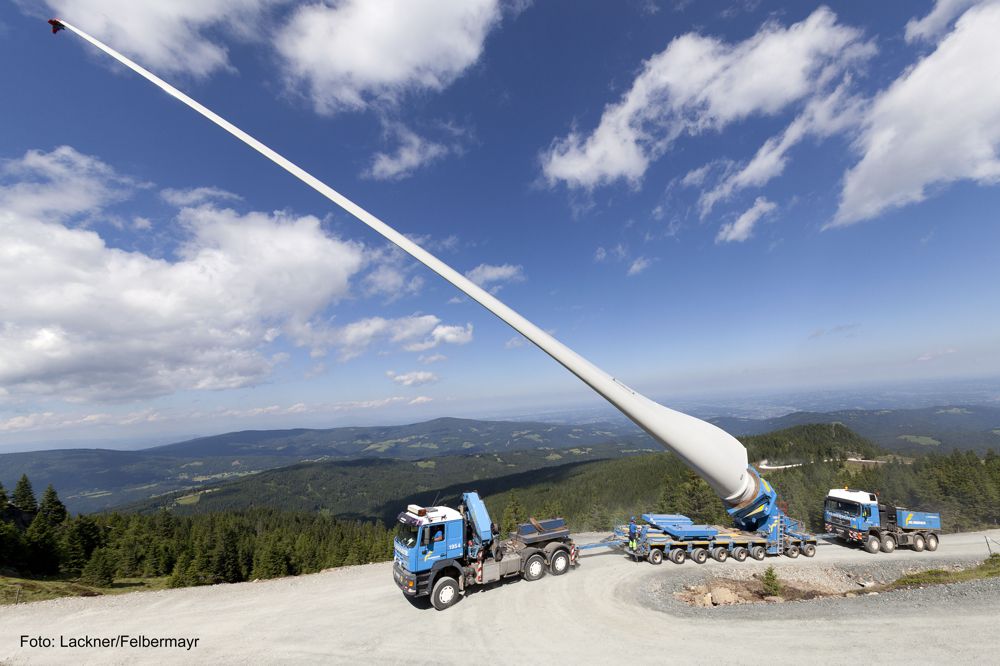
[96, 479]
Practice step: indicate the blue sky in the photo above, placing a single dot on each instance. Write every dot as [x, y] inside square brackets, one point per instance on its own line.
[697, 197]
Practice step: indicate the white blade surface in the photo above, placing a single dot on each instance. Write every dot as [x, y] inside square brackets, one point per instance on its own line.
[713, 453]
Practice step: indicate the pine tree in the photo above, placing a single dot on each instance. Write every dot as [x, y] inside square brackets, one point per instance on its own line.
[12, 546]
[51, 510]
[513, 515]
[82, 537]
[24, 496]
[100, 569]
[3, 498]
[43, 548]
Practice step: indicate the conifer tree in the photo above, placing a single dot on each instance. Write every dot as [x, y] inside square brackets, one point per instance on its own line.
[3, 498]
[513, 515]
[100, 569]
[51, 510]
[24, 496]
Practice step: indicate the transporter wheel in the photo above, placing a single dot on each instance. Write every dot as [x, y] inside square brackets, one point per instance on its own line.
[720, 554]
[699, 555]
[677, 556]
[445, 592]
[792, 551]
[872, 543]
[655, 556]
[740, 553]
[932, 542]
[918, 542]
[808, 549]
[559, 564]
[888, 543]
[534, 568]
[758, 553]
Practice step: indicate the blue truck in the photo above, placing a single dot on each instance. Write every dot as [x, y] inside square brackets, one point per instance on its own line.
[857, 517]
[440, 552]
[677, 538]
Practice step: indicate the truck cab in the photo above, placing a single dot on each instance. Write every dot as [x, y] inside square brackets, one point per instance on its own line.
[429, 538]
[851, 514]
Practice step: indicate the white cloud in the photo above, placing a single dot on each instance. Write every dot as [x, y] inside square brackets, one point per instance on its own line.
[930, 356]
[699, 84]
[171, 37]
[352, 52]
[412, 153]
[939, 122]
[83, 320]
[442, 334]
[742, 228]
[515, 342]
[59, 185]
[486, 275]
[432, 358]
[392, 281]
[421, 400]
[416, 378]
[415, 333]
[639, 265]
[823, 116]
[600, 254]
[936, 23]
[196, 195]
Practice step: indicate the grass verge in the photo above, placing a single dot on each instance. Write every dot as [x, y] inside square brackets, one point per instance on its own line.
[990, 568]
[23, 590]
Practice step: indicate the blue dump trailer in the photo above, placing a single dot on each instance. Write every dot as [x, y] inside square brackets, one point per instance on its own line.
[441, 552]
[677, 538]
[856, 516]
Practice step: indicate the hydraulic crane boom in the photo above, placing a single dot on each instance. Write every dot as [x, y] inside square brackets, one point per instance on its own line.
[714, 454]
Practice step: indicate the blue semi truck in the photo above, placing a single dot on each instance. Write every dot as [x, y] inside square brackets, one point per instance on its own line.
[856, 516]
[441, 552]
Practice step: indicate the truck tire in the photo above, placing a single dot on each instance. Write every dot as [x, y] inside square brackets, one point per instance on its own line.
[792, 551]
[758, 553]
[872, 544]
[888, 543]
[740, 553]
[720, 554]
[932, 542]
[559, 563]
[534, 568]
[699, 555]
[445, 592]
[808, 549]
[655, 556]
[918, 542]
[677, 556]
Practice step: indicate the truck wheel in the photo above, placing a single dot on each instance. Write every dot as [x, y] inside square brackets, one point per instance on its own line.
[445, 592]
[677, 556]
[932, 542]
[792, 551]
[720, 554]
[655, 556]
[872, 543]
[809, 549]
[699, 555]
[740, 553]
[559, 564]
[534, 568]
[758, 553]
[888, 543]
[918, 542]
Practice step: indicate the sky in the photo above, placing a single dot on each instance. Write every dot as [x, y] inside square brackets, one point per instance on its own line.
[697, 197]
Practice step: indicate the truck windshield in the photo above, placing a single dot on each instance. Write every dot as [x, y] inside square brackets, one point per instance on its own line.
[843, 506]
[408, 535]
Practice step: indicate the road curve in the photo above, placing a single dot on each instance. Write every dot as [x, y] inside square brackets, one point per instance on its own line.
[598, 612]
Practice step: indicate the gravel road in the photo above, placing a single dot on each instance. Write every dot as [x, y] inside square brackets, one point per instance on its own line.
[608, 609]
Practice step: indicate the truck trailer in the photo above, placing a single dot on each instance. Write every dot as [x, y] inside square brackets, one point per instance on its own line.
[677, 538]
[441, 552]
[857, 517]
